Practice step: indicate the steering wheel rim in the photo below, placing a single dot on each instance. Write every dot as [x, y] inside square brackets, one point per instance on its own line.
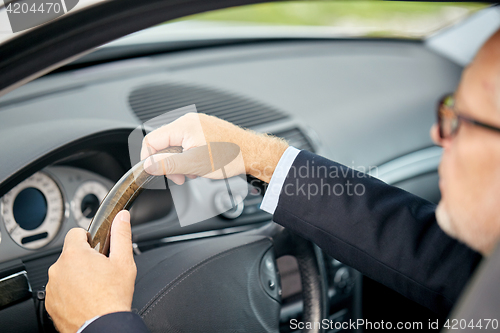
[313, 279]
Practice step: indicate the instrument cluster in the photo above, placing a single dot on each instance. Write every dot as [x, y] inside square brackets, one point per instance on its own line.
[86, 201]
[33, 211]
[42, 208]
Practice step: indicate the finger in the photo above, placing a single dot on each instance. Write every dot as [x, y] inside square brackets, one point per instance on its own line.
[166, 136]
[76, 238]
[192, 176]
[49, 297]
[177, 179]
[147, 149]
[195, 161]
[198, 161]
[120, 247]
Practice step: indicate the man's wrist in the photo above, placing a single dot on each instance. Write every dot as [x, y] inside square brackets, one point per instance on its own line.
[261, 153]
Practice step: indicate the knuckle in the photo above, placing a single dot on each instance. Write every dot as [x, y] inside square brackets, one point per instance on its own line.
[52, 271]
[48, 289]
[67, 253]
[73, 233]
[132, 268]
[190, 116]
[147, 146]
[48, 301]
[145, 140]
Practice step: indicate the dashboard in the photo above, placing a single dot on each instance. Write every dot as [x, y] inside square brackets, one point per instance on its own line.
[366, 104]
[38, 212]
[36, 209]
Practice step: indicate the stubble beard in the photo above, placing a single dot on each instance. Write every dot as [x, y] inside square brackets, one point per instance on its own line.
[444, 221]
[481, 242]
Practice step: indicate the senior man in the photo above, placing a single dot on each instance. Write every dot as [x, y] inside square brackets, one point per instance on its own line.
[386, 233]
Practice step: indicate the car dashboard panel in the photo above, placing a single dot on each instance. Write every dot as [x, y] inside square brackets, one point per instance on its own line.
[362, 103]
[37, 209]
[38, 212]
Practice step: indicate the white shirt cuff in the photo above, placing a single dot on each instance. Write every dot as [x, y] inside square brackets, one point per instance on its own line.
[87, 323]
[270, 201]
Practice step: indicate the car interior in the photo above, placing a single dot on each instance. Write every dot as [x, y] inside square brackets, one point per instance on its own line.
[367, 102]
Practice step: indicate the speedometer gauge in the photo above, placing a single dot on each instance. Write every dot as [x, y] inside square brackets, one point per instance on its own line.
[33, 211]
[86, 201]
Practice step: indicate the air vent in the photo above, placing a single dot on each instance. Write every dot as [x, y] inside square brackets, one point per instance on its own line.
[150, 101]
[296, 138]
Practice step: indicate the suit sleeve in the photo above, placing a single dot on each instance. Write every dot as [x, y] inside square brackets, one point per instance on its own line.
[119, 322]
[384, 232]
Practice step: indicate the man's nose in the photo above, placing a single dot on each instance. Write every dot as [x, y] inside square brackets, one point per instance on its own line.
[437, 138]
[435, 135]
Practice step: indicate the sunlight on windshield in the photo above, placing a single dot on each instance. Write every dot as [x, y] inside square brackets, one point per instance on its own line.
[365, 18]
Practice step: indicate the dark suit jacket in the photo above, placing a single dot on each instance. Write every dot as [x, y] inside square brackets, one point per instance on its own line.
[384, 232]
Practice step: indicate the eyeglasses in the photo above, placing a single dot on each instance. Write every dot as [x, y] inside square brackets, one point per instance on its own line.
[449, 119]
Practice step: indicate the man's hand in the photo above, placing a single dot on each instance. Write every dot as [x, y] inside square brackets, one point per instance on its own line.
[261, 153]
[84, 284]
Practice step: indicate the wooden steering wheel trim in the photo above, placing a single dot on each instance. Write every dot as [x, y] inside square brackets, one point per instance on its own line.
[120, 197]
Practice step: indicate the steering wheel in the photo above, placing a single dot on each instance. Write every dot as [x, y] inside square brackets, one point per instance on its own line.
[220, 284]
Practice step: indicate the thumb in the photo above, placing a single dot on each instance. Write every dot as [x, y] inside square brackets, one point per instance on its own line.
[194, 161]
[120, 247]
[198, 161]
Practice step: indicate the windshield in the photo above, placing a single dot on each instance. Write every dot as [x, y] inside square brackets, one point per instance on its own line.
[312, 19]
[285, 19]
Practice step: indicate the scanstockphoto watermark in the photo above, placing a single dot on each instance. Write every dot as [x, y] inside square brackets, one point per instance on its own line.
[327, 324]
[313, 179]
[429, 325]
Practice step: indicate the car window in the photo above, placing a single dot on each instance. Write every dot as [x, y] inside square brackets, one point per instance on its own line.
[344, 18]
[323, 18]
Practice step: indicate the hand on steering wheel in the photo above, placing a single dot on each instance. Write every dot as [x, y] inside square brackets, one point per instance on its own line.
[248, 252]
[75, 293]
[260, 152]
